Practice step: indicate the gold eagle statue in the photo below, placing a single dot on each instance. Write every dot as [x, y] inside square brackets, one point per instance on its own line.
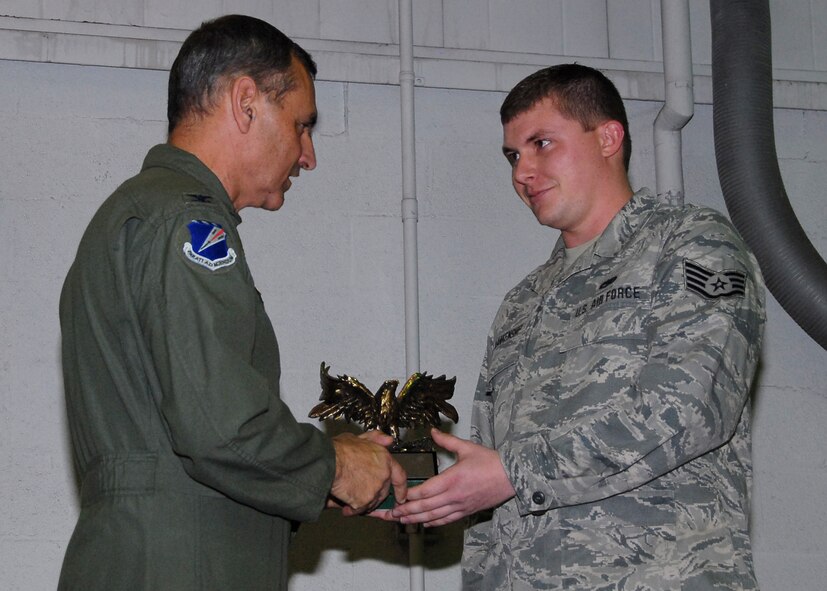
[421, 400]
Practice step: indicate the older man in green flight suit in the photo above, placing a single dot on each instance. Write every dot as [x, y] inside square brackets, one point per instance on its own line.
[191, 467]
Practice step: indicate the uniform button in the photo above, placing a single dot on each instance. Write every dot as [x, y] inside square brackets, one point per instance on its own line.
[538, 498]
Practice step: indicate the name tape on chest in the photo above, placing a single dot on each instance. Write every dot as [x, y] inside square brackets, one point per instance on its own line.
[508, 335]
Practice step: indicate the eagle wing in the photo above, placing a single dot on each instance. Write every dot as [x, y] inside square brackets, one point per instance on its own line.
[423, 397]
[345, 396]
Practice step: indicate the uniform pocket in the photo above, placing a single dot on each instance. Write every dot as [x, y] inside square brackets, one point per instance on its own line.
[499, 377]
[615, 321]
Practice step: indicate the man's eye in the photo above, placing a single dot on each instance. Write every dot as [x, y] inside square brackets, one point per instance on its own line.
[512, 158]
[543, 143]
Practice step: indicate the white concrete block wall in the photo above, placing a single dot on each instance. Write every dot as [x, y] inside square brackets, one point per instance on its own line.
[627, 30]
[329, 265]
[70, 135]
[377, 21]
[372, 21]
[298, 19]
[585, 28]
[466, 23]
[701, 32]
[178, 14]
[533, 26]
[792, 38]
[819, 28]
[21, 8]
[631, 30]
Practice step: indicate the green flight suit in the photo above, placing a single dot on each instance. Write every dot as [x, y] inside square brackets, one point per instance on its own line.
[191, 467]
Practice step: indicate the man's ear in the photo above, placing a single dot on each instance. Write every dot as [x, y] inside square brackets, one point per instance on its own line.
[243, 95]
[611, 137]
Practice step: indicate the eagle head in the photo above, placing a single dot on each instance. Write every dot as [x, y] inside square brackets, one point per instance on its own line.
[388, 407]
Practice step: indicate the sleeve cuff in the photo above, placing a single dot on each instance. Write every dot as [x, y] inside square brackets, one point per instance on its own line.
[533, 491]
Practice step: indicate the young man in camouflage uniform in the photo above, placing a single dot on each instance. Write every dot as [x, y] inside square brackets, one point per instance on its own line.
[610, 425]
[191, 467]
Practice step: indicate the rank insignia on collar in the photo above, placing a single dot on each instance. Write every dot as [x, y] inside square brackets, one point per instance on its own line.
[713, 284]
[208, 245]
[198, 198]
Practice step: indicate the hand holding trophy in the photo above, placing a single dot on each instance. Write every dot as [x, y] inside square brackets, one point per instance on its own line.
[419, 404]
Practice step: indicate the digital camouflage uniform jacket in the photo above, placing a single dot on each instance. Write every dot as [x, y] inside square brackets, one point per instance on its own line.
[615, 392]
[191, 467]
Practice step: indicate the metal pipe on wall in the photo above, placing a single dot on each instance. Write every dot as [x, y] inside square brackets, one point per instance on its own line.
[410, 215]
[679, 106]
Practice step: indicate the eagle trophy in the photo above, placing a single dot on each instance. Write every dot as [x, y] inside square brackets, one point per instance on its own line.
[421, 400]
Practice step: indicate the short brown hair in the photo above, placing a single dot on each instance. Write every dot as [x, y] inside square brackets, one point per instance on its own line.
[579, 92]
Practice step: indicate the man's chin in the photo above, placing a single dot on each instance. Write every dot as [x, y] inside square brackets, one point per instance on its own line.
[273, 202]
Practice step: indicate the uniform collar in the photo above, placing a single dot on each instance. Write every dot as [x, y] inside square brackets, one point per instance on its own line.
[168, 156]
[626, 223]
[623, 226]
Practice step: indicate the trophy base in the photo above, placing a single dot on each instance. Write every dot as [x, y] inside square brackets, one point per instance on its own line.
[419, 466]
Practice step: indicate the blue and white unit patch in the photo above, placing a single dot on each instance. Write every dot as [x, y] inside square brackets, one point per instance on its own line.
[208, 246]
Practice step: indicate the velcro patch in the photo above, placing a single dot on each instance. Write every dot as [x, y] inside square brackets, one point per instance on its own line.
[713, 284]
[208, 245]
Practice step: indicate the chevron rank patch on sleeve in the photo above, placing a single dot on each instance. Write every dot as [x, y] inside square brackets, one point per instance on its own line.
[713, 284]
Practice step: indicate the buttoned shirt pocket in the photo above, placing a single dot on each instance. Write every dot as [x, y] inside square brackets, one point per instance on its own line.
[609, 343]
[592, 365]
[609, 320]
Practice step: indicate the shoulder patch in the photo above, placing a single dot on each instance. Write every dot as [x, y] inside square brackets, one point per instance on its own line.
[208, 245]
[713, 284]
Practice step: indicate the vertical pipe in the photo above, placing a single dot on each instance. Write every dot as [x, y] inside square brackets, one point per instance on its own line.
[409, 203]
[416, 536]
[679, 94]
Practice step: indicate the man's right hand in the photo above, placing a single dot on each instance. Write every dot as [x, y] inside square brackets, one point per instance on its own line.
[476, 481]
[365, 472]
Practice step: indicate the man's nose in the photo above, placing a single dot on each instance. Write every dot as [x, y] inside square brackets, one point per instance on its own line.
[308, 158]
[524, 169]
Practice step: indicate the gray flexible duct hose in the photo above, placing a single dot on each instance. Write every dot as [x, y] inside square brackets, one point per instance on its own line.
[748, 165]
